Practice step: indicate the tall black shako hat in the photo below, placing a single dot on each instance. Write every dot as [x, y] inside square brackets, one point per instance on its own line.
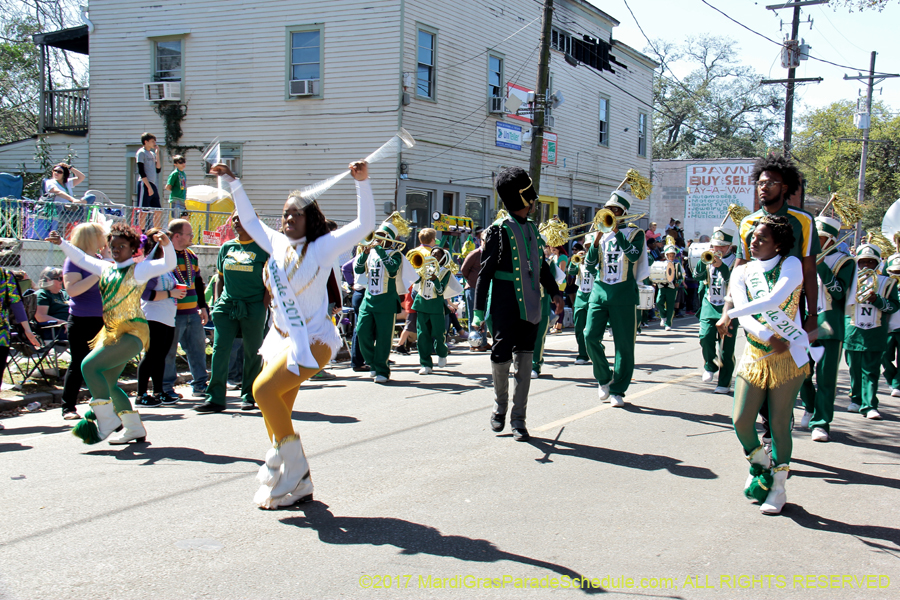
[515, 189]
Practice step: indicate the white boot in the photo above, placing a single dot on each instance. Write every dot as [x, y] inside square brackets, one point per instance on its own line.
[134, 429]
[98, 423]
[293, 483]
[777, 496]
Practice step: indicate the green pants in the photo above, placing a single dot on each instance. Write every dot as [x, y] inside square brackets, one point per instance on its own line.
[712, 347]
[819, 399]
[230, 319]
[580, 318]
[624, 327]
[665, 304]
[103, 366]
[865, 369]
[374, 334]
[537, 359]
[430, 332]
[890, 361]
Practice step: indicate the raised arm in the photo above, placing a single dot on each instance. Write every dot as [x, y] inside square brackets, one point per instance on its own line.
[148, 269]
[259, 231]
[330, 246]
[88, 263]
[791, 277]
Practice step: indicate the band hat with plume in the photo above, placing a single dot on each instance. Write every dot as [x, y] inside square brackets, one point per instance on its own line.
[723, 236]
[670, 246]
[395, 226]
[893, 263]
[828, 227]
[868, 251]
[620, 198]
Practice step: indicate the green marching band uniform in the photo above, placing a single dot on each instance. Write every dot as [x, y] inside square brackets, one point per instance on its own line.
[429, 306]
[665, 296]
[890, 360]
[585, 282]
[718, 354]
[617, 263]
[381, 303]
[866, 334]
[836, 276]
[537, 360]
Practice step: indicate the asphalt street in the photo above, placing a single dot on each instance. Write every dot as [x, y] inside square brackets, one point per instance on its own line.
[417, 497]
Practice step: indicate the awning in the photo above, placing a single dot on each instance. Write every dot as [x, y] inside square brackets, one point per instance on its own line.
[73, 39]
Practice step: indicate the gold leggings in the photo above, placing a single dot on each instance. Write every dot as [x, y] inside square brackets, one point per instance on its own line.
[275, 390]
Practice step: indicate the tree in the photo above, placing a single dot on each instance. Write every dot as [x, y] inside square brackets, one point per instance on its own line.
[831, 164]
[860, 5]
[718, 110]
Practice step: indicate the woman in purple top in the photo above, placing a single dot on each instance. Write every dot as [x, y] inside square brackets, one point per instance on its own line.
[85, 310]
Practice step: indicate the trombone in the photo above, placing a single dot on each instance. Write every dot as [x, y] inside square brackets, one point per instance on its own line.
[832, 248]
[604, 221]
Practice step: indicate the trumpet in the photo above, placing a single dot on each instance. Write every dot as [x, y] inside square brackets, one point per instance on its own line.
[710, 256]
[367, 242]
[418, 257]
[866, 282]
[578, 259]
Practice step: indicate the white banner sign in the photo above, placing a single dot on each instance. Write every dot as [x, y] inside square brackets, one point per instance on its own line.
[710, 189]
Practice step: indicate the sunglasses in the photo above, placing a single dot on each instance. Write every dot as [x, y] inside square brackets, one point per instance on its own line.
[60, 171]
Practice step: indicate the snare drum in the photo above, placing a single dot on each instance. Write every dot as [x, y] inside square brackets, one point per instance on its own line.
[646, 297]
[662, 271]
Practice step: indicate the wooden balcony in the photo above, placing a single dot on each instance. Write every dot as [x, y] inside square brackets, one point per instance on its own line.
[66, 111]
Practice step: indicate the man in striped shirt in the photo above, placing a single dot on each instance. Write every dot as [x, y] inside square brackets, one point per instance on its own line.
[192, 313]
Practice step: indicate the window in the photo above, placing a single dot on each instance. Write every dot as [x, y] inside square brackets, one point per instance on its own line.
[167, 60]
[560, 41]
[417, 211]
[496, 92]
[476, 207]
[425, 55]
[304, 61]
[642, 134]
[604, 122]
[232, 155]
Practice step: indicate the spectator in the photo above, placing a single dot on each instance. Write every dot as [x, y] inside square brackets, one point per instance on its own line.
[159, 303]
[147, 159]
[52, 303]
[357, 285]
[651, 232]
[85, 310]
[191, 316]
[177, 187]
[9, 307]
[470, 268]
[559, 258]
[63, 180]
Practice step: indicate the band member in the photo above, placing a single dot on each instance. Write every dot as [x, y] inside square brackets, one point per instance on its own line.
[837, 277]
[382, 264]
[890, 360]
[429, 307]
[303, 338]
[866, 334]
[537, 360]
[508, 291]
[766, 297]
[585, 282]
[713, 280]
[617, 262]
[665, 297]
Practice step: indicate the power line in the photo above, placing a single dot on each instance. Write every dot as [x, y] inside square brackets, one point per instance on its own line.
[526, 26]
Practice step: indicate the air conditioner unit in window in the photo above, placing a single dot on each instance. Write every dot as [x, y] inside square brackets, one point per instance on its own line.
[161, 91]
[304, 87]
[497, 105]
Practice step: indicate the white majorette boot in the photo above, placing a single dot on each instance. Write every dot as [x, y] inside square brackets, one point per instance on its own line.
[134, 429]
[98, 423]
[777, 496]
[759, 482]
[286, 479]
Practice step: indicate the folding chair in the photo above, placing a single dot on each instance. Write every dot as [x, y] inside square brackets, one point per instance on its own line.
[27, 359]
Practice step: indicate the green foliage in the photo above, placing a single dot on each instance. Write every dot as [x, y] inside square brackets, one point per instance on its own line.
[173, 113]
[20, 66]
[860, 5]
[719, 110]
[832, 165]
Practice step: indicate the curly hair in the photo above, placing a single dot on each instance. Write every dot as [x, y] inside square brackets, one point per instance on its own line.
[782, 233]
[125, 231]
[778, 164]
[149, 243]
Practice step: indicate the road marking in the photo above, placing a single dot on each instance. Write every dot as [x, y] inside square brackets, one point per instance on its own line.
[596, 409]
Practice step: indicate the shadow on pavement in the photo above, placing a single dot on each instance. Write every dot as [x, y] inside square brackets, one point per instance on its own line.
[13, 447]
[306, 416]
[714, 419]
[151, 455]
[410, 538]
[41, 429]
[803, 518]
[841, 476]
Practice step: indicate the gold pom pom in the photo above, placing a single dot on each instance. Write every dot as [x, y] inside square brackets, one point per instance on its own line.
[402, 225]
[640, 185]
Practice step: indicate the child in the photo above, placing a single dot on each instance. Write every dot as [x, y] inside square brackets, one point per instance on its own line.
[665, 298]
[429, 306]
[866, 332]
[177, 187]
[147, 159]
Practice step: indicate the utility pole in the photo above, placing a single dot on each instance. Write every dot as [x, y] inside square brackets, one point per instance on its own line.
[861, 192]
[792, 70]
[540, 99]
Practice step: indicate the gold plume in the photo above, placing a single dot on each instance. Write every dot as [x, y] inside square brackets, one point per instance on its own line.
[640, 185]
[556, 232]
[884, 244]
[402, 225]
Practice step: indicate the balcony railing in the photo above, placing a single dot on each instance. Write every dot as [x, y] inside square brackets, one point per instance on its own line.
[67, 111]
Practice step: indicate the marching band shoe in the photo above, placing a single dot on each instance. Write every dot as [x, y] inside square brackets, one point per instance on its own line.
[874, 415]
[134, 429]
[777, 496]
[535, 374]
[580, 361]
[616, 401]
[98, 423]
[721, 389]
[372, 374]
[853, 407]
[707, 376]
[293, 475]
[498, 422]
[520, 434]
[381, 379]
[603, 391]
[819, 435]
[804, 421]
[425, 371]
[895, 393]
[442, 362]
[668, 328]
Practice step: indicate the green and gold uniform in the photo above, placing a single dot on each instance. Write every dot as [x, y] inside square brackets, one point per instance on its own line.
[379, 308]
[429, 307]
[713, 288]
